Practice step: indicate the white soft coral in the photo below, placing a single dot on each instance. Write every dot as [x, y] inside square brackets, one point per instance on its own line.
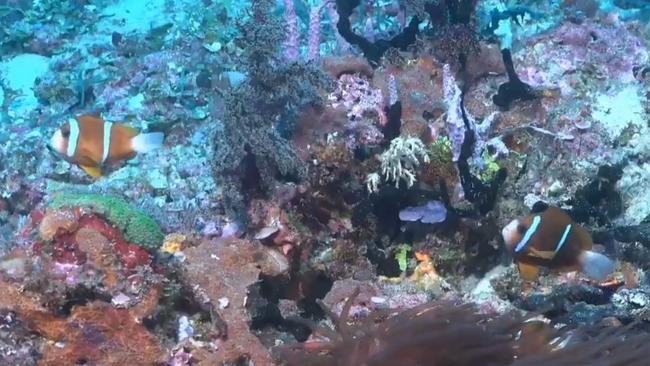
[402, 157]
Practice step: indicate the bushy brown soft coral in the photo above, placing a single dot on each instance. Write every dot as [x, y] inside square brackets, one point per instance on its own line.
[437, 333]
[444, 333]
[611, 346]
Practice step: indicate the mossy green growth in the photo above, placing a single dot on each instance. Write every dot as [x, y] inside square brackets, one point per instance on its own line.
[401, 256]
[137, 227]
[490, 169]
[440, 151]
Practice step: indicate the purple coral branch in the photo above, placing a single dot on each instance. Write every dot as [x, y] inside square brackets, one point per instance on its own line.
[314, 33]
[292, 44]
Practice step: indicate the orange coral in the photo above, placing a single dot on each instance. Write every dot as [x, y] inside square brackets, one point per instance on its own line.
[55, 221]
[99, 334]
[96, 333]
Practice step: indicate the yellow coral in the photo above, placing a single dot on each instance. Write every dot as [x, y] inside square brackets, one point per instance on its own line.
[173, 243]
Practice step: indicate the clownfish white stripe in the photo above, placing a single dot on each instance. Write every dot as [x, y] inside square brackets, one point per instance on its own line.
[564, 238]
[73, 140]
[107, 140]
[529, 234]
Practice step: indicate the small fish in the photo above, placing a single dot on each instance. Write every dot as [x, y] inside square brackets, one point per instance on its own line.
[551, 239]
[90, 142]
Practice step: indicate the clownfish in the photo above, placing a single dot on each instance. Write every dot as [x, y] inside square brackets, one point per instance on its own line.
[91, 143]
[551, 239]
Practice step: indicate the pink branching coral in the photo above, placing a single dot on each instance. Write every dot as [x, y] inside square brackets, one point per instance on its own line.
[358, 97]
[292, 45]
[314, 33]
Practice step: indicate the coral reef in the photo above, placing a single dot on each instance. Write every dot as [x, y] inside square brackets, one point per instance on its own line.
[335, 183]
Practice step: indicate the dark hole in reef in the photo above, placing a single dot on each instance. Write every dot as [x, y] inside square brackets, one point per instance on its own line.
[481, 254]
[554, 313]
[80, 296]
[267, 315]
[273, 288]
[316, 286]
[251, 176]
[82, 361]
[242, 361]
[175, 301]
[591, 295]
[386, 265]
[304, 288]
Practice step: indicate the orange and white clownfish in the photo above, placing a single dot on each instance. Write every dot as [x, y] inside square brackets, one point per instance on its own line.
[90, 142]
[551, 239]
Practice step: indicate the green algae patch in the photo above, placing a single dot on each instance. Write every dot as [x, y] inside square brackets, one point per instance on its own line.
[135, 225]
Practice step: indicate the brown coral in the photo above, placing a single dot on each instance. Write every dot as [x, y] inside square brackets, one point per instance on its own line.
[437, 333]
[55, 221]
[451, 334]
[221, 272]
[99, 334]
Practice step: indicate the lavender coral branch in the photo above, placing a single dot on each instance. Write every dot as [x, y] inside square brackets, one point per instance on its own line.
[314, 33]
[468, 140]
[292, 45]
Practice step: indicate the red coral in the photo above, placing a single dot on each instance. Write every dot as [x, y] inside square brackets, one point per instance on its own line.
[66, 250]
[65, 246]
[131, 255]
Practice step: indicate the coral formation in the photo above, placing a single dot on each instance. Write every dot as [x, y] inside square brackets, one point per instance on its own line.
[249, 143]
[221, 273]
[136, 226]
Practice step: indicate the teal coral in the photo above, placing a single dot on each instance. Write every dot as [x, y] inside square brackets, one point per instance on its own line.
[137, 227]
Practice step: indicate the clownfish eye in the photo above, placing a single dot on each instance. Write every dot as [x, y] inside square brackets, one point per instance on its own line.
[65, 130]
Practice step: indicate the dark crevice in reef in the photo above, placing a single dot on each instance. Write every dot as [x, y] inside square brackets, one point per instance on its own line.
[386, 264]
[78, 296]
[392, 128]
[303, 288]
[599, 201]
[177, 300]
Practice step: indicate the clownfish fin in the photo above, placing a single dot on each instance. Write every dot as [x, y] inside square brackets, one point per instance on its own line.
[542, 254]
[146, 142]
[92, 171]
[595, 265]
[528, 272]
[130, 131]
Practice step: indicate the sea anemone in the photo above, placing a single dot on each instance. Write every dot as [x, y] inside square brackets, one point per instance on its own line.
[444, 333]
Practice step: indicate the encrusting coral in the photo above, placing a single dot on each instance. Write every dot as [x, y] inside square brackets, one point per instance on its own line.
[137, 227]
[221, 272]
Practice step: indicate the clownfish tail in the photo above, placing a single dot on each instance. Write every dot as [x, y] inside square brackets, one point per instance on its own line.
[146, 142]
[596, 265]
